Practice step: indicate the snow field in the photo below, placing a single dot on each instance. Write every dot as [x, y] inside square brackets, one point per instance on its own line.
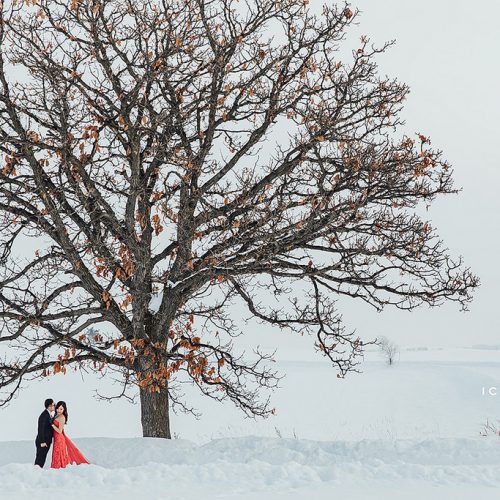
[258, 467]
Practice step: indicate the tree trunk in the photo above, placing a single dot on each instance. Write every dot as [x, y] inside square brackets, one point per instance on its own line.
[155, 414]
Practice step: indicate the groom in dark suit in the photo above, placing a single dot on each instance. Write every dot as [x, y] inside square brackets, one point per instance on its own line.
[45, 433]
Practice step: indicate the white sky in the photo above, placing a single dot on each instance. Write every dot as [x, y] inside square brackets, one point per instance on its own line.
[447, 52]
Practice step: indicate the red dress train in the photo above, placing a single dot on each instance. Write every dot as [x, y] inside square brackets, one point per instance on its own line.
[64, 451]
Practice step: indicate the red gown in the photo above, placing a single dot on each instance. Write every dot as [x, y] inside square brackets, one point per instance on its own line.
[64, 451]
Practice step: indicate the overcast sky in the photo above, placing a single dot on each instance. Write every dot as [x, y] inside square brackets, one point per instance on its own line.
[447, 52]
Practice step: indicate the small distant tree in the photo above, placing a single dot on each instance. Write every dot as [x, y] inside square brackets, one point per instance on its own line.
[194, 154]
[389, 349]
[490, 429]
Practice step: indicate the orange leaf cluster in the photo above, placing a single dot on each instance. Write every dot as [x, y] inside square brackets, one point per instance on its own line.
[127, 269]
[33, 136]
[197, 366]
[157, 224]
[59, 368]
[91, 132]
[101, 268]
[141, 219]
[170, 214]
[10, 165]
[106, 298]
[126, 302]
[128, 354]
[99, 366]
[139, 343]
[348, 13]
[157, 195]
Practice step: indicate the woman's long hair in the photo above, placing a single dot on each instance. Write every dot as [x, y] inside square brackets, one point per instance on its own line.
[65, 412]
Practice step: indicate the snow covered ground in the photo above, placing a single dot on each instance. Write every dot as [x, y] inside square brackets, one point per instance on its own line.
[410, 431]
[261, 468]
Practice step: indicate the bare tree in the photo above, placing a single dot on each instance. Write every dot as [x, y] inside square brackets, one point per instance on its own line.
[389, 349]
[489, 429]
[171, 159]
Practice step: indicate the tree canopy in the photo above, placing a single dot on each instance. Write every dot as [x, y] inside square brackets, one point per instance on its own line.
[178, 157]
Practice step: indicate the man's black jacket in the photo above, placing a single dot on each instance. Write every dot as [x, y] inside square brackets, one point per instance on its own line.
[45, 431]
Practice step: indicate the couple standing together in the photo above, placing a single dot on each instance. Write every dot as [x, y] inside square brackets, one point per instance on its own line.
[51, 426]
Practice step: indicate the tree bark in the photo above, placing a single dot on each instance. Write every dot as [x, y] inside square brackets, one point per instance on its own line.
[155, 414]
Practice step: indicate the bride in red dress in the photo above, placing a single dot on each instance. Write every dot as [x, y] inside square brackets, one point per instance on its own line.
[64, 451]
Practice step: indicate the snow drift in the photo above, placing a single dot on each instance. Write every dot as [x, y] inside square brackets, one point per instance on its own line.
[257, 467]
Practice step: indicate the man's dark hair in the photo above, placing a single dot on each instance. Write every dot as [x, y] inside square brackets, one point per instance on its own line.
[48, 402]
